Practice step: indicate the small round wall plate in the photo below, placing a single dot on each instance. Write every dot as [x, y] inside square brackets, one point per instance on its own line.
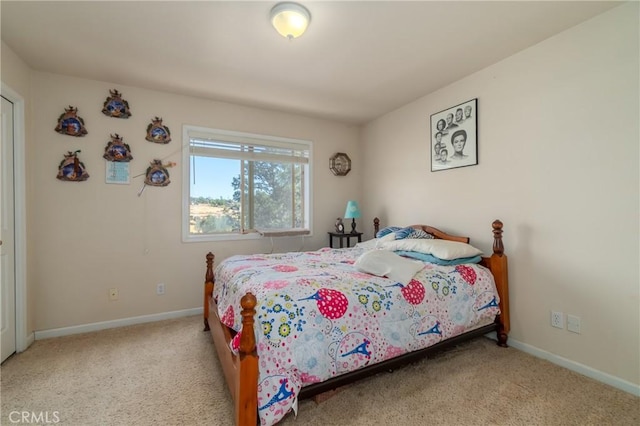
[117, 150]
[157, 132]
[115, 106]
[72, 169]
[157, 174]
[340, 164]
[70, 124]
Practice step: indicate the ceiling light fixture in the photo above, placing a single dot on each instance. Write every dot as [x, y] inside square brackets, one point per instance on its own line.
[290, 19]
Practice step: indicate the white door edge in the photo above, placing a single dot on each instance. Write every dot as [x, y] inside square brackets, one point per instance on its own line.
[23, 337]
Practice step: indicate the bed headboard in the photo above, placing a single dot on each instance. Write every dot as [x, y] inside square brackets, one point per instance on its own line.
[430, 229]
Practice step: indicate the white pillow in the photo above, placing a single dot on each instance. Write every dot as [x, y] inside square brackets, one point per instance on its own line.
[442, 249]
[368, 245]
[375, 242]
[388, 264]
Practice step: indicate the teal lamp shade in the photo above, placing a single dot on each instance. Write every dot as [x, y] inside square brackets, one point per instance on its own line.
[352, 212]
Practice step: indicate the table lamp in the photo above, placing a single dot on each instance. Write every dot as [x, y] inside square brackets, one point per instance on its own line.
[352, 212]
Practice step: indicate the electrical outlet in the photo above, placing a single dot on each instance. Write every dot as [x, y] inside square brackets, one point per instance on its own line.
[573, 323]
[557, 319]
[113, 293]
[160, 289]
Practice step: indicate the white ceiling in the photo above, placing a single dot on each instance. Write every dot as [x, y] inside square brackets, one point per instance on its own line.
[358, 59]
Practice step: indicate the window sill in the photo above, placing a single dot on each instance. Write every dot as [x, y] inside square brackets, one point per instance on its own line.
[283, 232]
[234, 236]
[196, 238]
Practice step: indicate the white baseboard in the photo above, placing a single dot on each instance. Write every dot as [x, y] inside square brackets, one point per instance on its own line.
[585, 370]
[85, 328]
[28, 341]
[600, 376]
[23, 345]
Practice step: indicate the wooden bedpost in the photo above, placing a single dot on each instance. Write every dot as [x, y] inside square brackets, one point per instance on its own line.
[208, 288]
[498, 247]
[376, 226]
[498, 266]
[247, 386]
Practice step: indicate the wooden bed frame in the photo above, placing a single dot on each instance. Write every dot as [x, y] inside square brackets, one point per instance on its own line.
[241, 371]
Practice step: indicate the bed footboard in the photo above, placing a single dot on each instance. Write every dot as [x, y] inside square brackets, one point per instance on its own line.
[247, 380]
[208, 289]
[240, 371]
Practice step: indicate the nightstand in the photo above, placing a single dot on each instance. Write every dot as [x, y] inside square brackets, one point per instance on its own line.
[346, 236]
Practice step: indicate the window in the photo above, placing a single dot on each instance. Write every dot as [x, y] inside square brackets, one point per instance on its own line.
[241, 185]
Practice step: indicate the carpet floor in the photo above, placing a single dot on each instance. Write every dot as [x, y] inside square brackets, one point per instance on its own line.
[167, 373]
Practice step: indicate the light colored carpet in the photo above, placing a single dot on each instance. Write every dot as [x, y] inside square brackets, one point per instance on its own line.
[167, 373]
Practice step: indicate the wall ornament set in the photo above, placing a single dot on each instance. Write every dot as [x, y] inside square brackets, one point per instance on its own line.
[117, 153]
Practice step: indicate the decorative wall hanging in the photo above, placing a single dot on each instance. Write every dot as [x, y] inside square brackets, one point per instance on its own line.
[157, 174]
[454, 137]
[72, 169]
[158, 133]
[340, 164]
[70, 124]
[115, 106]
[117, 150]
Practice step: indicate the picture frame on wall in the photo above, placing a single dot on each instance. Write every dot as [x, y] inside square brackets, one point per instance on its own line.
[454, 137]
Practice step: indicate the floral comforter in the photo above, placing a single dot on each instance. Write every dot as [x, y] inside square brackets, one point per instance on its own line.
[319, 317]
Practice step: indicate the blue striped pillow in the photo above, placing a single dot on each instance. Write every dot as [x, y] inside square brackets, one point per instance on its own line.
[389, 229]
[413, 233]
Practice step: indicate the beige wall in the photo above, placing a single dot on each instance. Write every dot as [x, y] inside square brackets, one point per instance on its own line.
[14, 72]
[558, 163]
[90, 236]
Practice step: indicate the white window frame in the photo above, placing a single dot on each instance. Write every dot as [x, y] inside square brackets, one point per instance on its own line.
[234, 136]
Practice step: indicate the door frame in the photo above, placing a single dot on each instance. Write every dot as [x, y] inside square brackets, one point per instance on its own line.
[23, 337]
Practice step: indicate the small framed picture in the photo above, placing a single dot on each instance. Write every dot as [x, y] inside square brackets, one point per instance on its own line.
[117, 172]
[454, 137]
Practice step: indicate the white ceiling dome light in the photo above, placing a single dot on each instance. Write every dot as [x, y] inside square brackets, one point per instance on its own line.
[290, 19]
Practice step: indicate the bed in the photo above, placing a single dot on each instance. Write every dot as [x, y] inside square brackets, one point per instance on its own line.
[290, 326]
